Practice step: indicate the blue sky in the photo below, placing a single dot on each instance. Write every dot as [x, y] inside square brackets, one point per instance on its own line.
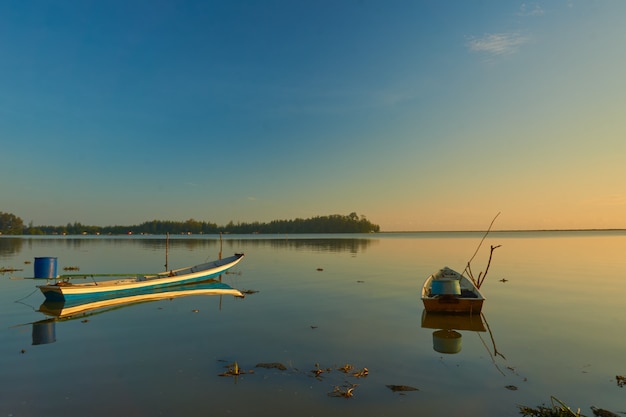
[420, 115]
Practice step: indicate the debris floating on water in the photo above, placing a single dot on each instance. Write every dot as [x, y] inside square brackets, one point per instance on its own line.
[401, 388]
[319, 371]
[272, 365]
[3, 270]
[345, 391]
[346, 368]
[560, 410]
[600, 412]
[234, 370]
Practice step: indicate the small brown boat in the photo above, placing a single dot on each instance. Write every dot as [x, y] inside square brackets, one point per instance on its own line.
[447, 291]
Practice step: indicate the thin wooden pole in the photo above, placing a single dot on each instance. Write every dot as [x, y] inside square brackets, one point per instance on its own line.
[481, 241]
[478, 282]
[167, 248]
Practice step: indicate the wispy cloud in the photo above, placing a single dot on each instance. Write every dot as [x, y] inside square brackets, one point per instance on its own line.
[497, 44]
[526, 10]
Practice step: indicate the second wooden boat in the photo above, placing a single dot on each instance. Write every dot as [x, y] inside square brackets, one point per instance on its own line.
[447, 291]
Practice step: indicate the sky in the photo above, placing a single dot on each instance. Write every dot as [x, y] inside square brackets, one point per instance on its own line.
[418, 115]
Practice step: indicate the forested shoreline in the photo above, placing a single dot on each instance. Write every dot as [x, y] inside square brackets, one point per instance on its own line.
[11, 224]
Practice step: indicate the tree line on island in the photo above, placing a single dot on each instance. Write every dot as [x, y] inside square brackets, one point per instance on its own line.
[10, 224]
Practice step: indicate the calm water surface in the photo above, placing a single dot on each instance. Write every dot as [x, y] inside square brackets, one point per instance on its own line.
[557, 328]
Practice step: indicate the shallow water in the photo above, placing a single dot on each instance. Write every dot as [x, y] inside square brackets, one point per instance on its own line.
[556, 328]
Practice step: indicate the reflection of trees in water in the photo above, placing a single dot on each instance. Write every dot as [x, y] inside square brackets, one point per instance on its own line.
[187, 244]
[314, 245]
[10, 246]
[351, 245]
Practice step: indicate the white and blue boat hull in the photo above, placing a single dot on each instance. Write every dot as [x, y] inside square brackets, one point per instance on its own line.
[63, 290]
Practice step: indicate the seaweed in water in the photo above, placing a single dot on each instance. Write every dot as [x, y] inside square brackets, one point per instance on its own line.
[345, 391]
[401, 388]
[272, 365]
[557, 410]
[234, 370]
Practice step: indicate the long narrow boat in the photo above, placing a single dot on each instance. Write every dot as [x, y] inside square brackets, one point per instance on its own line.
[44, 331]
[65, 290]
[81, 307]
[447, 291]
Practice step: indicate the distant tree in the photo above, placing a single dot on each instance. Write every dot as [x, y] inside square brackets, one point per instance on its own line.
[10, 224]
[334, 223]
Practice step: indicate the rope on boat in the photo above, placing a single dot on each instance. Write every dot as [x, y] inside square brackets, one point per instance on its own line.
[23, 298]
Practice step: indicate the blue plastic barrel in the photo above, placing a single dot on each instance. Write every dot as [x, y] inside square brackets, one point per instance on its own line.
[45, 267]
[446, 287]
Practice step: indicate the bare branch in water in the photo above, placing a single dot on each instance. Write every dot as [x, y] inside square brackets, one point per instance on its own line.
[468, 269]
[481, 280]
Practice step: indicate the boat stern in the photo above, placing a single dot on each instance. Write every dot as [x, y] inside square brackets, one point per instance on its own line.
[453, 305]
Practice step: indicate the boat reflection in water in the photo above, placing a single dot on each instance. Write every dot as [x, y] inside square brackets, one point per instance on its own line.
[44, 331]
[447, 338]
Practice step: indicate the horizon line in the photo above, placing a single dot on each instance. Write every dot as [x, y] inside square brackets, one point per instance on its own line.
[508, 230]
[357, 233]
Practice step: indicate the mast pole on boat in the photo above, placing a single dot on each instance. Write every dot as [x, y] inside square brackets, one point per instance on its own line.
[220, 257]
[167, 247]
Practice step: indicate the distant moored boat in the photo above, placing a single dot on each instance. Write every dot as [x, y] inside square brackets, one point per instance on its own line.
[447, 291]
